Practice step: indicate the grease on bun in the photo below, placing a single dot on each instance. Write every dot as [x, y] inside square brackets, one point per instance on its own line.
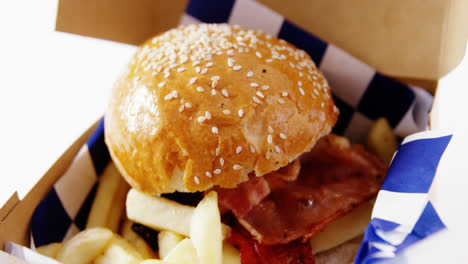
[207, 104]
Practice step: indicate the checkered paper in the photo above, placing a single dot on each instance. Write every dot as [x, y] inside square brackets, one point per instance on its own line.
[361, 94]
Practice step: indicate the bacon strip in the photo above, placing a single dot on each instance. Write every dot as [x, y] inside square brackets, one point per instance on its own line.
[335, 178]
[252, 252]
[249, 194]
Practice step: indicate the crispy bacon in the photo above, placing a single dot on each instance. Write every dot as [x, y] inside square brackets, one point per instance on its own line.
[335, 178]
[248, 194]
[252, 252]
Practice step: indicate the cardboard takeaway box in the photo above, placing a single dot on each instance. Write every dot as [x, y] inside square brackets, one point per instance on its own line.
[415, 41]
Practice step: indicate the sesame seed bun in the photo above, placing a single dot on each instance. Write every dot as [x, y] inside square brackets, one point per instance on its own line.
[206, 105]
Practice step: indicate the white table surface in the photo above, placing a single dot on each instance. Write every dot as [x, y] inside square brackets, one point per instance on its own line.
[55, 85]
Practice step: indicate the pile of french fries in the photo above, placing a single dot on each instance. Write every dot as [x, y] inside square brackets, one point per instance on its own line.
[186, 234]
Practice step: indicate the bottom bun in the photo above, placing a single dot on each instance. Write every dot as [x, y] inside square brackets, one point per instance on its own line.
[342, 254]
[343, 229]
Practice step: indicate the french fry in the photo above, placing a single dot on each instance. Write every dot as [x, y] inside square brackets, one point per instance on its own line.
[104, 201]
[124, 244]
[167, 240]
[158, 213]
[161, 213]
[85, 246]
[116, 254]
[50, 250]
[230, 254]
[205, 230]
[114, 218]
[183, 253]
[381, 140]
[154, 261]
[138, 242]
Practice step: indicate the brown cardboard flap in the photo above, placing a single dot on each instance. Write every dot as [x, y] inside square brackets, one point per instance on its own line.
[422, 39]
[8, 206]
[125, 21]
[15, 227]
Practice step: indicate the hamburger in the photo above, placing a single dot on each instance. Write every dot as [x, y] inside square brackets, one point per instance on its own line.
[215, 107]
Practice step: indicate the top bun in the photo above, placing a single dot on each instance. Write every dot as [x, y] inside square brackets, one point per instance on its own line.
[207, 104]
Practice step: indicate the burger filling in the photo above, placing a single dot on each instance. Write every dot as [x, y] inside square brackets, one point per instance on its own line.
[274, 215]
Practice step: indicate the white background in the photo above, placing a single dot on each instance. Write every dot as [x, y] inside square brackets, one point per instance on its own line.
[55, 85]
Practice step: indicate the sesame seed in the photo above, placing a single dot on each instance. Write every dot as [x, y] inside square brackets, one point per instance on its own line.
[250, 74]
[240, 113]
[168, 97]
[291, 64]
[195, 63]
[299, 83]
[284, 94]
[269, 60]
[254, 84]
[197, 69]
[316, 92]
[201, 119]
[238, 149]
[301, 91]
[193, 80]
[204, 71]
[196, 180]
[258, 54]
[208, 115]
[214, 130]
[281, 101]
[260, 94]
[252, 149]
[217, 171]
[221, 161]
[277, 149]
[256, 100]
[181, 108]
[161, 84]
[237, 67]
[208, 174]
[237, 167]
[200, 89]
[215, 78]
[188, 105]
[230, 52]
[283, 136]
[270, 130]
[226, 111]
[265, 87]
[301, 74]
[181, 69]
[209, 64]
[213, 92]
[214, 84]
[269, 139]
[218, 149]
[230, 62]
[225, 93]
[175, 94]
[267, 155]
[322, 104]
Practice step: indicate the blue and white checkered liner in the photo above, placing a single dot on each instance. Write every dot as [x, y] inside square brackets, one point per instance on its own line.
[402, 213]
